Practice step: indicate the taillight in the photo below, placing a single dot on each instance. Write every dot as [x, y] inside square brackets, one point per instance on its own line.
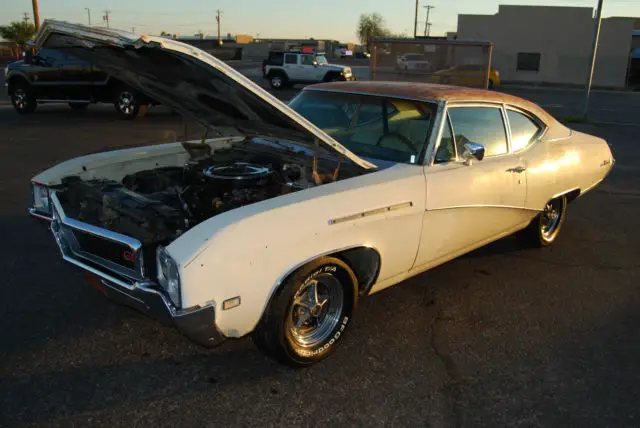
[264, 68]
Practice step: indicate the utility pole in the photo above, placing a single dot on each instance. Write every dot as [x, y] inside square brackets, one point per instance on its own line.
[36, 14]
[106, 16]
[133, 29]
[218, 20]
[427, 25]
[88, 15]
[594, 50]
[25, 17]
[415, 22]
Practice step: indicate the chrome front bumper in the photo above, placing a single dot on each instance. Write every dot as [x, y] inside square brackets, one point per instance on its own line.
[197, 323]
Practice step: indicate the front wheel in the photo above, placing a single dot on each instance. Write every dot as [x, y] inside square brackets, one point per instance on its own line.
[308, 315]
[545, 227]
[126, 103]
[23, 99]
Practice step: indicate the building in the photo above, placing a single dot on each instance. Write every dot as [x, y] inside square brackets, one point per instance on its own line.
[551, 44]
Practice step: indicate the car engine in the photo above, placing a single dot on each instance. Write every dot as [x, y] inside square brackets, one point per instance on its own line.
[158, 205]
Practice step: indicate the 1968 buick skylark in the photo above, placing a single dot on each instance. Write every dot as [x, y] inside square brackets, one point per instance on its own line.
[282, 217]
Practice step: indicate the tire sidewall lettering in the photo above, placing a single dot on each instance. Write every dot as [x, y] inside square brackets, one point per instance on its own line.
[322, 349]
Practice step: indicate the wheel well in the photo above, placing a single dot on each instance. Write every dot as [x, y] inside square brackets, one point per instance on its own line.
[365, 263]
[277, 72]
[571, 195]
[17, 79]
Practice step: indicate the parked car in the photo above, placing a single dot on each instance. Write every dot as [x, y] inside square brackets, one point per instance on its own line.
[283, 69]
[467, 75]
[362, 55]
[413, 62]
[279, 226]
[53, 76]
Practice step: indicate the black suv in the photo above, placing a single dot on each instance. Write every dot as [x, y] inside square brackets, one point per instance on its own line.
[53, 76]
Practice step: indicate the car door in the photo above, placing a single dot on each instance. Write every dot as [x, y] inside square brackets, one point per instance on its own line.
[47, 74]
[291, 66]
[471, 203]
[309, 71]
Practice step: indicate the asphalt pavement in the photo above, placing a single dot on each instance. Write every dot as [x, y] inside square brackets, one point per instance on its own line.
[501, 337]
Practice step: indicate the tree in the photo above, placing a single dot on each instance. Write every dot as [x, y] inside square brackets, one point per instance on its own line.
[370, 26]
[165, 34]
[18, 33]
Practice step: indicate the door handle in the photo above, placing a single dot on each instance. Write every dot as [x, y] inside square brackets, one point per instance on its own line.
[517, 169]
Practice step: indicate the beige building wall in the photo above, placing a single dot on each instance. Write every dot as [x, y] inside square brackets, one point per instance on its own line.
[561, 35]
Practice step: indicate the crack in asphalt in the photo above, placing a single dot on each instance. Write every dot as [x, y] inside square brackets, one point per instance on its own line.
[452, 387]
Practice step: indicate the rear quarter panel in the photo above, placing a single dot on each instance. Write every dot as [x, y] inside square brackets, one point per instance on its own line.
[560, 164]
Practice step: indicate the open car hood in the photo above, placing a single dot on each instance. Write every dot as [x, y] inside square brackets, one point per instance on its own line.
[190, 81]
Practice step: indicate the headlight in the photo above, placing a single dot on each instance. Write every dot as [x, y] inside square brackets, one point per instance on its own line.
[41, 199]
[168, 275]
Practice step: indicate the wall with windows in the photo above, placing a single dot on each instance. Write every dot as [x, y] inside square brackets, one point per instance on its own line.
[551, 44]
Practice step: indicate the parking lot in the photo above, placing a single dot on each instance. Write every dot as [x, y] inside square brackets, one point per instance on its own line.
[500, 337]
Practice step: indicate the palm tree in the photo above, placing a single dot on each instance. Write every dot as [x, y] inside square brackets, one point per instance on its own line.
[18, 33]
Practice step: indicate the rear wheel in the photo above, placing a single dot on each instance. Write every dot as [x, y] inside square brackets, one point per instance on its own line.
[277, 81]
[309, 314]
[544, 229]
[126, 103]
[23, 99]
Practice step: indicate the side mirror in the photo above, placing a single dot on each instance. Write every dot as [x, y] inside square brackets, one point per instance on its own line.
[28, 57]
[472, 151]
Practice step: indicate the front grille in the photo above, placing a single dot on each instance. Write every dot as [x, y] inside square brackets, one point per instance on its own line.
[114, 252]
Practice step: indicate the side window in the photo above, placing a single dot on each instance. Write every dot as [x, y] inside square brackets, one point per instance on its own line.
[291, 59]
[481, 125]
[306, 60]
[446, 150]
[51, 56]
[523, 130]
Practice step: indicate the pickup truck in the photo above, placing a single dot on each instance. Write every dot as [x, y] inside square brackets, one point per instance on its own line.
[52, 76]
[283, 69]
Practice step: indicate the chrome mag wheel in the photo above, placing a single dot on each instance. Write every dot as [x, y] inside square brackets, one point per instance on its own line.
[316, 310]
[550, 219]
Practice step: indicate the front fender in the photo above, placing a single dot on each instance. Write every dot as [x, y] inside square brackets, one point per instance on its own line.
[249, 251]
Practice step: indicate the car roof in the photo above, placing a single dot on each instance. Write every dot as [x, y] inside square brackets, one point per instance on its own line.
[432, 92]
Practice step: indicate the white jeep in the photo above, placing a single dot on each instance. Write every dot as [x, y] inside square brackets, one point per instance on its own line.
[289, 68]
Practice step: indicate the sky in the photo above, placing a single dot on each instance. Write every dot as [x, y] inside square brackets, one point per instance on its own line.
[320, 19]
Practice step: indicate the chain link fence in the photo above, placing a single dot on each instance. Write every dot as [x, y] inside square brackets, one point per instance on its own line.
[451, 62]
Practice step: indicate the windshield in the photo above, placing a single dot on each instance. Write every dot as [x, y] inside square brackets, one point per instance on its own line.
[375, 127]
[321, 59]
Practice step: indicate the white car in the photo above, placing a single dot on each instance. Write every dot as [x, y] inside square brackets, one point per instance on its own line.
[284, 69]
[413, 62]
[281, 219]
